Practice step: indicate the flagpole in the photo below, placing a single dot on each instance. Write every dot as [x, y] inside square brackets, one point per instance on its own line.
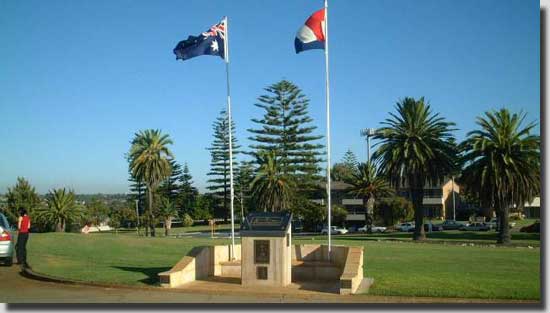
[329, 198]
[230, 130]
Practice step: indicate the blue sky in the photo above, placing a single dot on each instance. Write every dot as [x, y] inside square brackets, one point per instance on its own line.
[79, 78]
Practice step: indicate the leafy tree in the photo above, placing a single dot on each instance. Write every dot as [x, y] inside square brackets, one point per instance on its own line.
[272, 190]
[150, 162]
[96, 211]
[187, 192]
[115, 221]
[219, 182]
[62, 209]
[286, 130]
[203, 207]
[187, 220]
[122, 215]
[366, 184]
[502, 164]
[311, 213]
[415, 150]
[166, 211]
[22, 195]
[393, 210]
[126, 212]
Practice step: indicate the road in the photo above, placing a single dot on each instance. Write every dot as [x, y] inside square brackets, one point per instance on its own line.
[15, 288]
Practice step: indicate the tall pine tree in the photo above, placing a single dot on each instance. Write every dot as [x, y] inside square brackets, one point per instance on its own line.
[187, 192]
[219, 183]
[350, 160]
[344, 170]
[170, 186]
[138, 190]
[243, 179]
[286, 129]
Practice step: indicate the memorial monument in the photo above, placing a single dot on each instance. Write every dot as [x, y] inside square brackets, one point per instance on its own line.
[267, 258]
[266, 254]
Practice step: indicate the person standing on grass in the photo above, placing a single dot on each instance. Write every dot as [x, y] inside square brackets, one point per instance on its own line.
[23, 227]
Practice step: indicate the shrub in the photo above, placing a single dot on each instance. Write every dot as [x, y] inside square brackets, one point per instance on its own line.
[311, 213]
[392, 210]
[339, 215]
[187, 220]
[516, 217]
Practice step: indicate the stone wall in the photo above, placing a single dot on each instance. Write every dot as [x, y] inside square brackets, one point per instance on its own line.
[309, 263]
[200, 263]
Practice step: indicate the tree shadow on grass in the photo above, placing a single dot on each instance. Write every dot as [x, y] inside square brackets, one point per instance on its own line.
[150, 272]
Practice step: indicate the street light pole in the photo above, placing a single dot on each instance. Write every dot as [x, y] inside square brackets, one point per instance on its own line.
[137, 216]
[368, 132]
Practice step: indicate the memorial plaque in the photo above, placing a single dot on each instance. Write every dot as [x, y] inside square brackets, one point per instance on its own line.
[261, 251]
[261, 273]
[345, 284]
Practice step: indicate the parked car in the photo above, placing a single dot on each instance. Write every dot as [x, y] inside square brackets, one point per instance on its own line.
[533, 228]
[297, 226]
[375, 229]
[335, 230]
[451, 225]
[427, 228]
[434, 227]
[352, 229]
[406, 227]
[6, 241]
[493, 223]
[476, 227]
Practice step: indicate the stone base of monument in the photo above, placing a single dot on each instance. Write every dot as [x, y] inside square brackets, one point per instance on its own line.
[309, 264]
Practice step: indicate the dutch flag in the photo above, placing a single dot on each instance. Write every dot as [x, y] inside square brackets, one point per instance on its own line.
[312, 34]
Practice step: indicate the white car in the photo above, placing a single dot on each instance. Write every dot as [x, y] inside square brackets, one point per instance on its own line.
[6, 241]
[405, 227]
[375, 229]
[334, 231]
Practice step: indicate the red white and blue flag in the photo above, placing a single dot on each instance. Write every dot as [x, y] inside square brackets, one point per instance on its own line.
[312, 34]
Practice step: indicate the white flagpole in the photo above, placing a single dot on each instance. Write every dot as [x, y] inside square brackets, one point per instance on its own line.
[232, 192]
[329, 198]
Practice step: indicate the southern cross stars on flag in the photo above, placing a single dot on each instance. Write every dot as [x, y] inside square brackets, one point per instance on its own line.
[211, 42]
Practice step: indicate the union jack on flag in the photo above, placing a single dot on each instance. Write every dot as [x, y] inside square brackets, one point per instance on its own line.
[216, 30]
[210, 42]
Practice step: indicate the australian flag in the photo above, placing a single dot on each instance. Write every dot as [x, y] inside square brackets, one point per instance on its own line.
[211, 42]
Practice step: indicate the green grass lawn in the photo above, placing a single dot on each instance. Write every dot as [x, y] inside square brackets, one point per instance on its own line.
[453, 236]
[399, 268]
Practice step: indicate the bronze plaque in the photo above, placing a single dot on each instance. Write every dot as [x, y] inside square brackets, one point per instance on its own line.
[261, 273]
[345, 284]
[261, 251]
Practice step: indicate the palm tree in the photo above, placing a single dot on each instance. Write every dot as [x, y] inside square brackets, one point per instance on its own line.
[167, 211]
[415, 150]
[365, 183]
[502, 164]
[61, 209]
[271, 188]
[149, 159]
